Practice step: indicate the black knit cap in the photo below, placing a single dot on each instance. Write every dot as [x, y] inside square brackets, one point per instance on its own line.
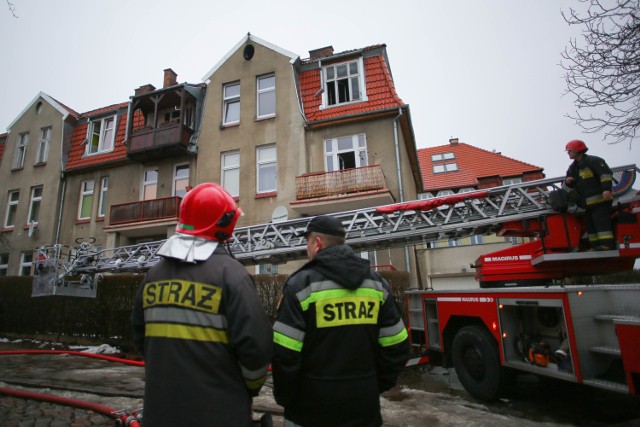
[326, 225]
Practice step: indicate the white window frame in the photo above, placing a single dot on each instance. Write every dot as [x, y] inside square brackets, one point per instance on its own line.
[454, 243]
[229, 101]
[25, 264]
[85, 192]
[106, 135]
[35, 202]
[230, 172]
[512, 180]
[266, 96]
[330, 75]
[43, 145]
[443, 193]
[425, 196]
[12, 206]
[177, 179]
[102, 200]
[445, 167]
[146, 182]
[442, 156]
[267, 269]
[4, 264]
[21, 150]
[336, 147]
[266, 158]
[477, 239]
[466, 190]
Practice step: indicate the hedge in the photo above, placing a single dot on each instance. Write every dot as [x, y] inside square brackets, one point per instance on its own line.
[105, 319]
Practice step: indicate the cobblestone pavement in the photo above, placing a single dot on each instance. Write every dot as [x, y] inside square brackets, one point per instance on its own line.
[421, 399]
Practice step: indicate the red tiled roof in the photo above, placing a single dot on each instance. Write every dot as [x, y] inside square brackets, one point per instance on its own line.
[3, 140]
[381, 92]
[77, 159]
[71, 111]
[473, 163]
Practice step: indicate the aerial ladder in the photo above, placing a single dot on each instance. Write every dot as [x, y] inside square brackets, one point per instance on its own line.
[522, 209]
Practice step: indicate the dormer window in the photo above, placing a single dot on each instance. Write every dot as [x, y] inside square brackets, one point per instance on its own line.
[344, 83]
[101, 135]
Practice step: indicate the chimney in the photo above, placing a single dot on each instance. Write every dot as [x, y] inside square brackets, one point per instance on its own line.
[145, 88]
[170, 78]
[453, 141]
[323, 52]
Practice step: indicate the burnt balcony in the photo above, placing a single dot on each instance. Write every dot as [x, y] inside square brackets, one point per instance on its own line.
[162, 122]
[167, 140]
[145, 211]
[318, 193]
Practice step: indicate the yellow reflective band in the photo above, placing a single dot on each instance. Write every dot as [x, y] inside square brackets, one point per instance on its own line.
[185, 332]
[182, 293]
[394, 339]
[347, 311]
[287, 342]
[341, 293]
[586, 173]
[255, 384]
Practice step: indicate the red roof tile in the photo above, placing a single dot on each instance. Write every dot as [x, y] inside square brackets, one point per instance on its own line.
[473, 163]
[381, 92]
[77, 158]
[3, 140]
[71, 111]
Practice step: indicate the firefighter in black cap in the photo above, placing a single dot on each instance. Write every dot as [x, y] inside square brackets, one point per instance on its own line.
[339, 337]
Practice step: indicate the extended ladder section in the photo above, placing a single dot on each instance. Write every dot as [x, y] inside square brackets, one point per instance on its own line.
[397, 225]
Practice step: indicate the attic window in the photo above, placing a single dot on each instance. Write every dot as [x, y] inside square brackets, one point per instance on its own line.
[39, 108]
[442, 156]
[344, 83]
[445, 167]
[512, 180]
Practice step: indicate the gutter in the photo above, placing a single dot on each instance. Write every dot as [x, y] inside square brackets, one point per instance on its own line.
[400, 183]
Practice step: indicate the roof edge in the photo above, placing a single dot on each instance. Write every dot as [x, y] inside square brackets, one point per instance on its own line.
[55, 104]
[249, 37]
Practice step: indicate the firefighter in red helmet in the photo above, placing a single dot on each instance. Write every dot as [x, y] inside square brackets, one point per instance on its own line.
[591, 178]
[197, 318]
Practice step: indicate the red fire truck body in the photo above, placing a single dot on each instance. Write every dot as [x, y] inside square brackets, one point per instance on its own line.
[587, 334]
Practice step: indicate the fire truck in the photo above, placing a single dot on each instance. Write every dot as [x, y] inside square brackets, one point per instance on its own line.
[525, 316]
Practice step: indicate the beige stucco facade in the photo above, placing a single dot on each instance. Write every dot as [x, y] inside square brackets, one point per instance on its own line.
[35, 172]
[285, 130]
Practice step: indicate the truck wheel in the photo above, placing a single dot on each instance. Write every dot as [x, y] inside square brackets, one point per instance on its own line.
[477, 362]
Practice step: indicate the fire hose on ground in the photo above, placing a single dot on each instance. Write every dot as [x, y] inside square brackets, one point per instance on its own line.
[121, 418]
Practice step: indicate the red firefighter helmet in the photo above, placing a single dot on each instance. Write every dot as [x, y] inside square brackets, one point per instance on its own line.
[208, 211]
[577, 146]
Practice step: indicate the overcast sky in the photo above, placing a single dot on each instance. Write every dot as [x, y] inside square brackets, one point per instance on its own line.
[486, 72]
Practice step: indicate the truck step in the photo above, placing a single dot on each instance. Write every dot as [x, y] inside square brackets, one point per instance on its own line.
[611, 351]
[614, 317]
[607, 385]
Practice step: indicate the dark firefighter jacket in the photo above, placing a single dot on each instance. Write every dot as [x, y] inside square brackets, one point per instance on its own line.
[340, 342]
[591, 177]
[207, 342]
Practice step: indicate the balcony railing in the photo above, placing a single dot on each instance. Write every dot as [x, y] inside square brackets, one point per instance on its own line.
[347, 181]
[166, 140]
[146, 210]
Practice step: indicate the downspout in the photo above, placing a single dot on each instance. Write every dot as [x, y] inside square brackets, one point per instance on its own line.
[400, 184]
[63, 179]
[62, 193]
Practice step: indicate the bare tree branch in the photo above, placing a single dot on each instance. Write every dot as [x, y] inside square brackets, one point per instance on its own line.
[12, 8]
[602, 71]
